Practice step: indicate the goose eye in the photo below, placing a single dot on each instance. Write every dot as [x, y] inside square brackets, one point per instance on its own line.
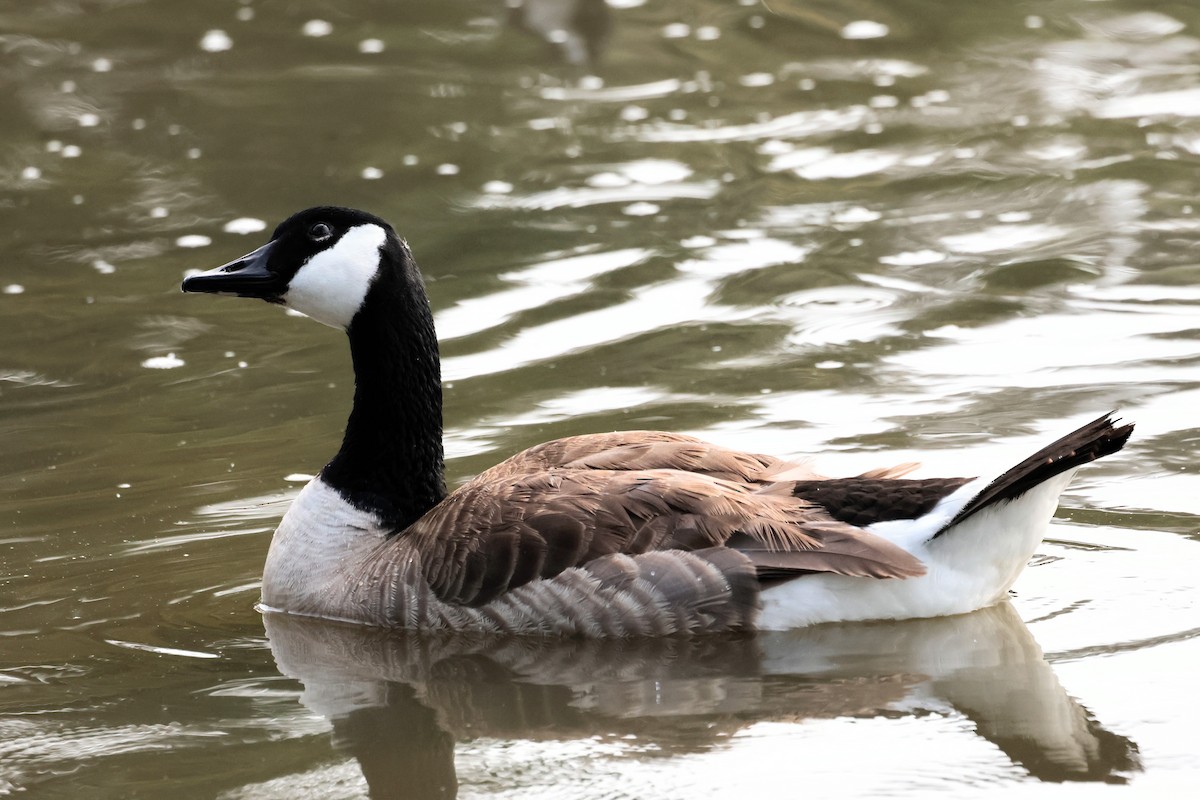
[320, 232]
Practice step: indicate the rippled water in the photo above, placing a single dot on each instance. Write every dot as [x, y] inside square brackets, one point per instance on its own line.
[880, 232]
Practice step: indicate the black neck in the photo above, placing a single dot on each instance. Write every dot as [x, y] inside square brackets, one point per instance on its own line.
[391, 458]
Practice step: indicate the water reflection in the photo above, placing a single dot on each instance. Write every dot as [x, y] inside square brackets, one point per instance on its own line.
[398, 703]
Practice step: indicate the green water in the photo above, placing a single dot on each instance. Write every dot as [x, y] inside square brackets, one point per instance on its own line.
[870, 231]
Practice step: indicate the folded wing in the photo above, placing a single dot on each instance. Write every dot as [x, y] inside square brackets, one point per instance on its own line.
[499, 532]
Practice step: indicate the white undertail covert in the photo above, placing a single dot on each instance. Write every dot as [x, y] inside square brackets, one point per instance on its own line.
[970, 565]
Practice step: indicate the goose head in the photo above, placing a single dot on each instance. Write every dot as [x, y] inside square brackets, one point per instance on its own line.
[321, 262]
[348, 269]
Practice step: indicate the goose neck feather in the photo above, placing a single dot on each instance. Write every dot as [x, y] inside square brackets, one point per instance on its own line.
[391, 459]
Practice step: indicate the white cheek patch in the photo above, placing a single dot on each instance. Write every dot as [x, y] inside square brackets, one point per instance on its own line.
[331, 287]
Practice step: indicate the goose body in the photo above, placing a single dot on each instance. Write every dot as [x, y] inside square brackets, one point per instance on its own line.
[615, 534]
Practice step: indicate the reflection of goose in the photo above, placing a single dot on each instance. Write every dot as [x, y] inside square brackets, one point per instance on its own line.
[985, 666]
[398, 702]
[619, 534]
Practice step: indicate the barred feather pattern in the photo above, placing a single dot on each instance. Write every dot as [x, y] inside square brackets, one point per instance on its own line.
[653, 594]
[492, 536]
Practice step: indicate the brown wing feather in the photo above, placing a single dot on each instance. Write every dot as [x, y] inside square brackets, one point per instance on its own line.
[645, 450]
[642, 450]
[844, 550]
[558, 452]
[493, 535]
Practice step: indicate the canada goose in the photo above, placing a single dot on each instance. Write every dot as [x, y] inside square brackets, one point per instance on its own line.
[614, 534]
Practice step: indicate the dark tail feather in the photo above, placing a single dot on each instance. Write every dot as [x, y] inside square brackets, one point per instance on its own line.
[1094, 440]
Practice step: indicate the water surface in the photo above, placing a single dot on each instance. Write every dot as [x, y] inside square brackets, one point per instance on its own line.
[878, 232]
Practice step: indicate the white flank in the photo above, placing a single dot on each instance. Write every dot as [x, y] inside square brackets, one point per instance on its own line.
[970, 566]
[331, 285]
[314, 552]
